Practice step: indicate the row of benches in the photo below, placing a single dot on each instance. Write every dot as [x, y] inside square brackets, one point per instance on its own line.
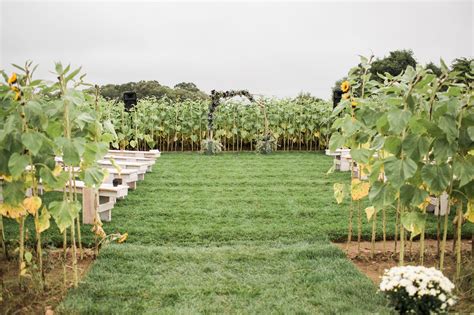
[132, 167]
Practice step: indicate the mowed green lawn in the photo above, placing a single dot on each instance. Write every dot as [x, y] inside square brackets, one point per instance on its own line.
[234, 233]
[238, 234]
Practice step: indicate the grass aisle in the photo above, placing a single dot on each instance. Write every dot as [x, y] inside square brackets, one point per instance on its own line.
[228, 234]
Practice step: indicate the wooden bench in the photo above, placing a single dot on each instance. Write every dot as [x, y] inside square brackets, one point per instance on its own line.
[342, 162]
[131, 159]
[337, 152]
[139, 167]
[439, 205]
[152, 154]
[342, 159]
[108, 195]
[125, 177]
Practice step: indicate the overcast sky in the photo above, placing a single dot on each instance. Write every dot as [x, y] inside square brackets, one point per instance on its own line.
[272, 48]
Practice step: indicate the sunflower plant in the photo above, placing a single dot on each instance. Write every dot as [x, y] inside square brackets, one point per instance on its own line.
[39, 121]
[174, 125]
[412, 135]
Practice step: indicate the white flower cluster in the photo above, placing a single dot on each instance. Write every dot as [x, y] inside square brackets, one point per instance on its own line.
[419, 281]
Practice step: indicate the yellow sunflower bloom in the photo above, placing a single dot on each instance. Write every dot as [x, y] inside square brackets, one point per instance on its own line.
[354, 103]
[17, 96]
[345, 86]
[12, 79]
[345, 96]
[14, 88]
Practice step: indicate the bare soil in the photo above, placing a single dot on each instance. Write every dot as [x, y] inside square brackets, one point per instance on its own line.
[31, 299]
[374, 265]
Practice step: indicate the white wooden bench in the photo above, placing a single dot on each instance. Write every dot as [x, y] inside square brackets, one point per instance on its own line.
[131, 159]
[338, 152]
[139, 167]
[108, 195]
[125, 177]
[440, 204]
[152, 154]
[342, 159]
[342, 162]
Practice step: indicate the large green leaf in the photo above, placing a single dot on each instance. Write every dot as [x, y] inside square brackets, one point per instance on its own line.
[70, 153]
[17, 164]
[448, 125]
[393, 145]
[50, 181]
[414, 222]
[443, 150]
[412, 196]
[13, 192]
[94, 151]
[398, 119]
[463, 168]
[416, 146]
[82, 119]
[381, 194]
[109, 127]
[64, 213]
[378, 142]
[350, 126]
[93, 176]
[74, 96]
[431, 127]
[32, 140]
[398, 171]
[361, 155]
[336, 141]
[436, 176]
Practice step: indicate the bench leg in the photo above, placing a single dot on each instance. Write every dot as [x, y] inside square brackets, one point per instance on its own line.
[106, 204]
[88, 209]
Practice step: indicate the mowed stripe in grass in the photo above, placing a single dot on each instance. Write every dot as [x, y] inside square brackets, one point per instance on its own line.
[241, 234]
[301, 278]
[231, 198]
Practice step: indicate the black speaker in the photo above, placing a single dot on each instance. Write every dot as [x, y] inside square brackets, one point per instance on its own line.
[336, 97]
[130, 100]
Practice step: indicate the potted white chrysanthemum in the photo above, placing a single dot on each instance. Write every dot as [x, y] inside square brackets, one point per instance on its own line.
[418, 290]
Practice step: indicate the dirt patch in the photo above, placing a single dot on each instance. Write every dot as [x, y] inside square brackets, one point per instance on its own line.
[31, 300]
[374, 266]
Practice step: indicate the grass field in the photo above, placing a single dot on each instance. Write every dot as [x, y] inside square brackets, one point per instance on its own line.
[235, 233]
[228, 234]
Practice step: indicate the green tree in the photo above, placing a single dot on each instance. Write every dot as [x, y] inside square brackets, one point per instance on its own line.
[188, 86]
[395, 63]
[305, 97]
[182, 91]
[433, 67]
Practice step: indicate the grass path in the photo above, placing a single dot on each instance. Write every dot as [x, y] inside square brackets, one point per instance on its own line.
[239, 234]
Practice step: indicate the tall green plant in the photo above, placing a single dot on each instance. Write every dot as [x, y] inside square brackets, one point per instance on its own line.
[414, 133]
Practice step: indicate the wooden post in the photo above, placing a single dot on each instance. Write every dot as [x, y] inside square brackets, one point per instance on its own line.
[88, 211]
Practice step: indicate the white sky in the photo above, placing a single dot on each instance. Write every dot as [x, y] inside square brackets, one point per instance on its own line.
[272, 48]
